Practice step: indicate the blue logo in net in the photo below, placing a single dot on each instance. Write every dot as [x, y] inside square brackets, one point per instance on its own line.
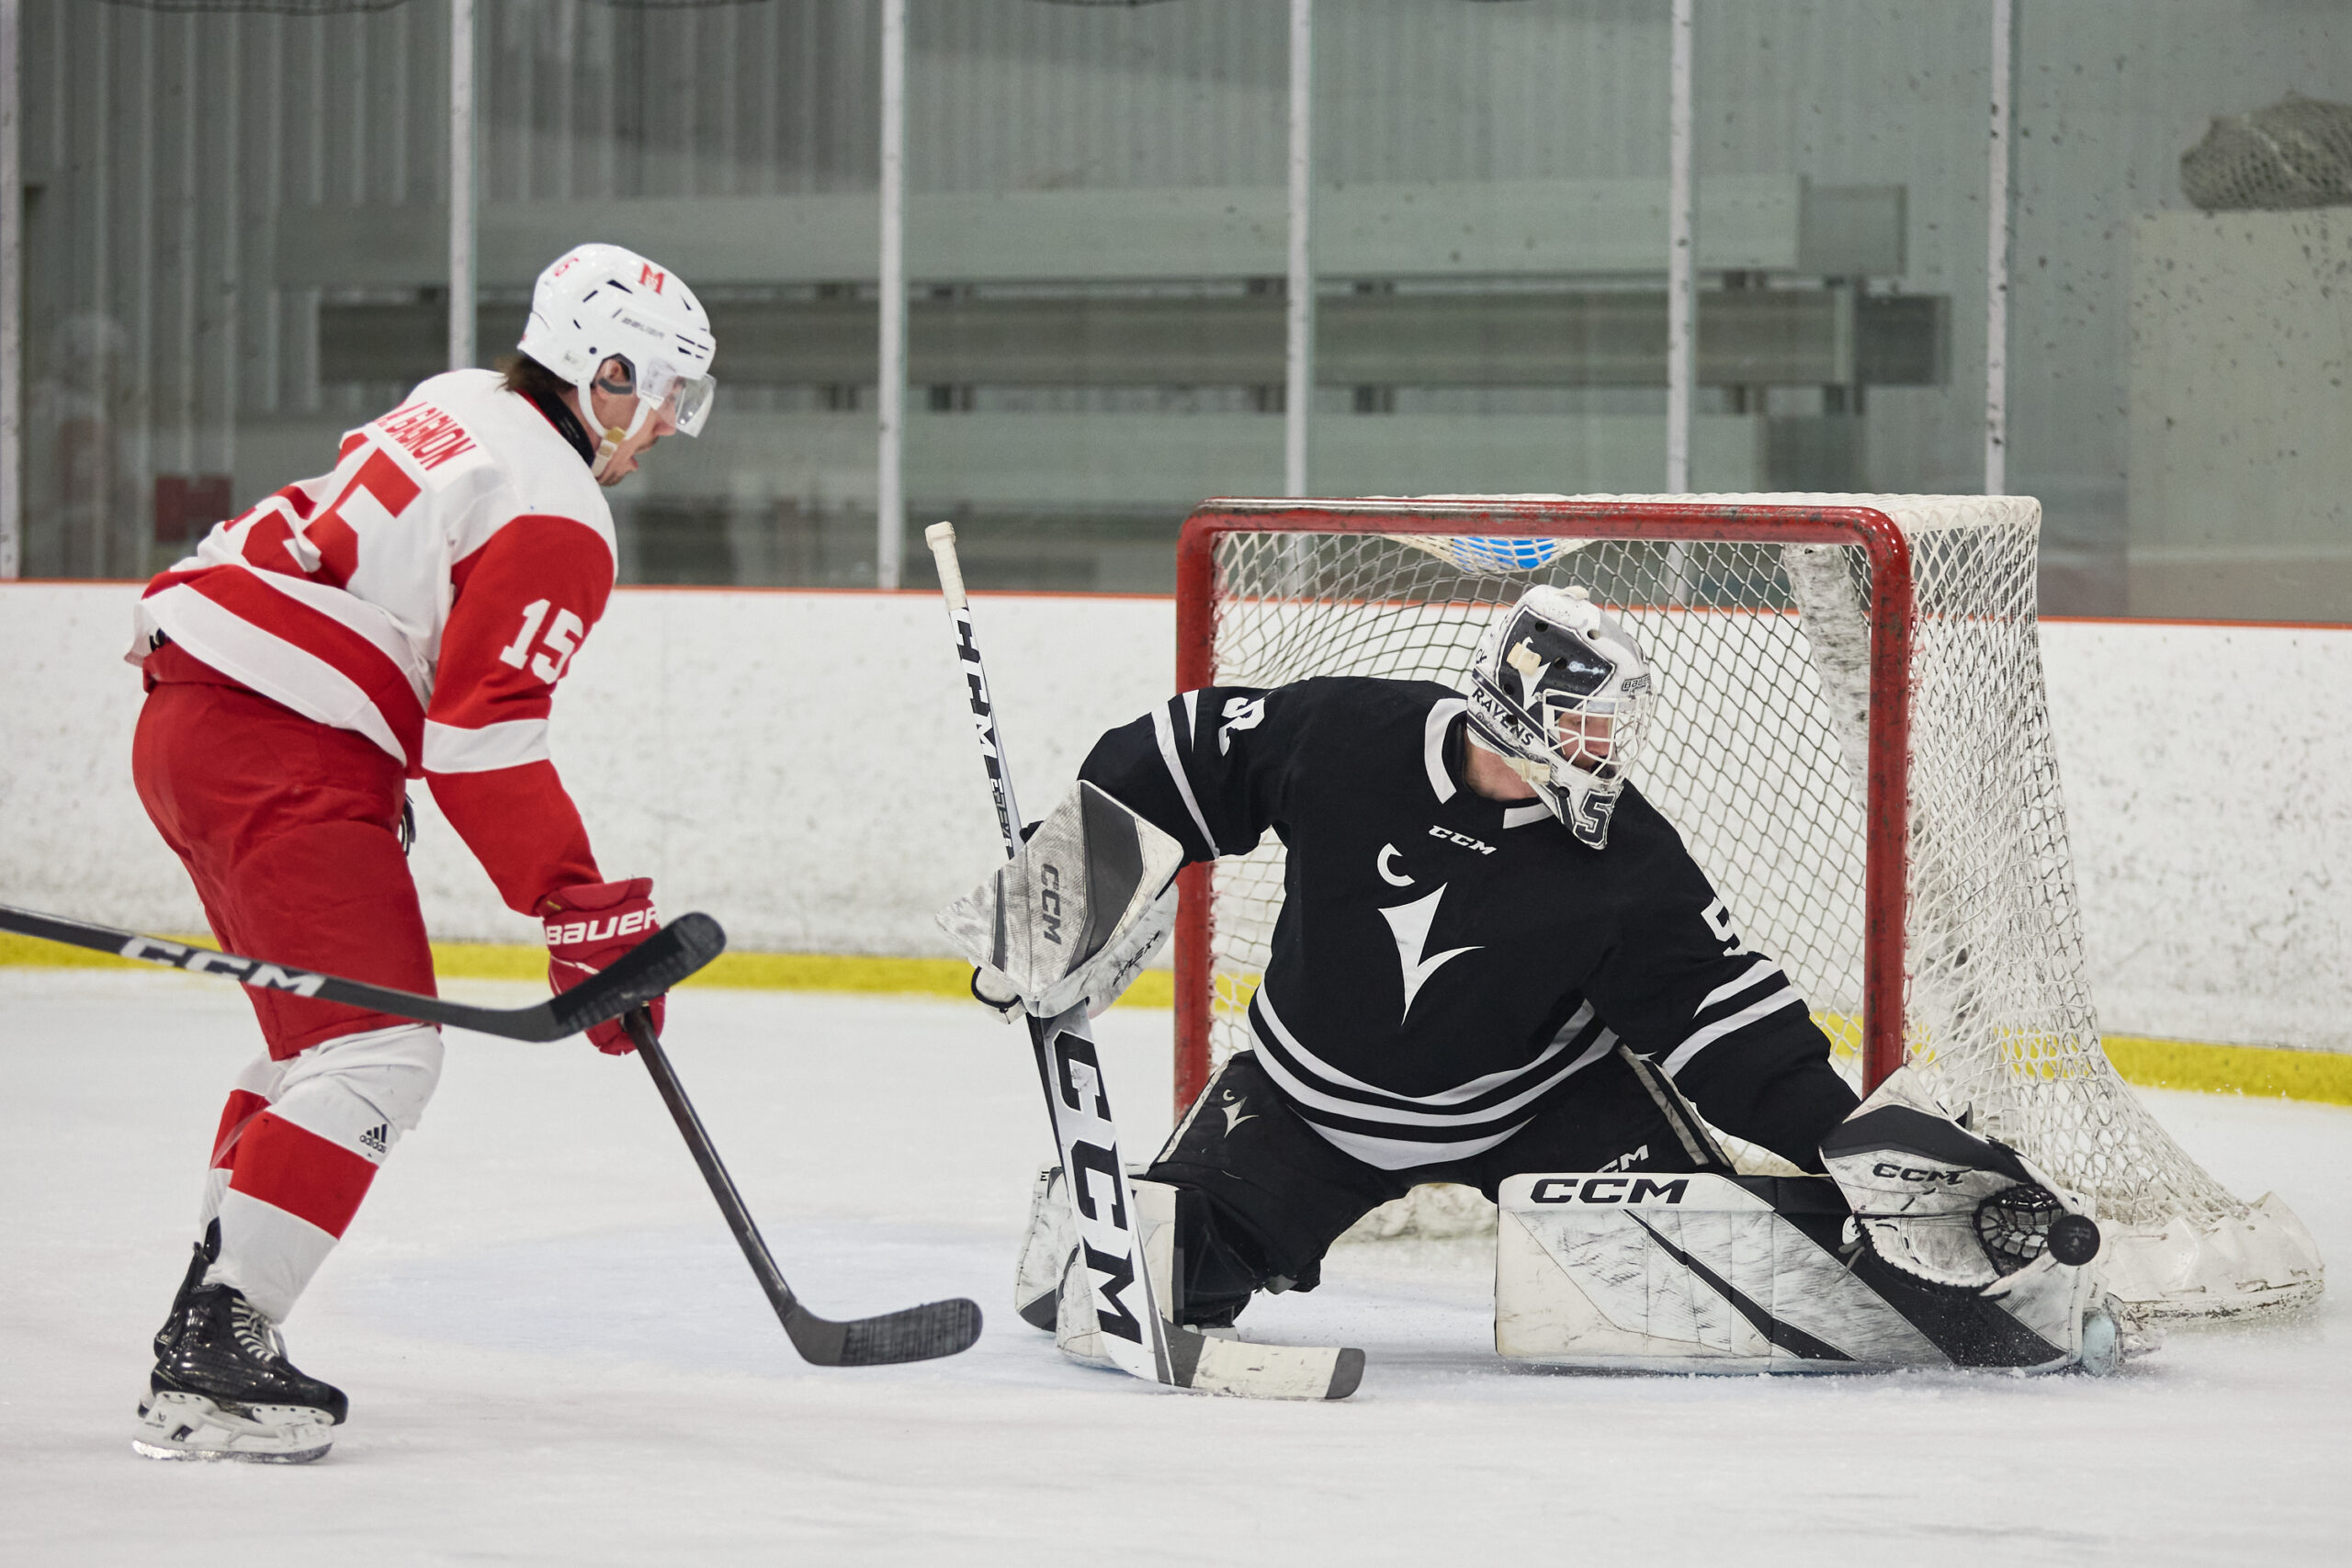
[1496, 553]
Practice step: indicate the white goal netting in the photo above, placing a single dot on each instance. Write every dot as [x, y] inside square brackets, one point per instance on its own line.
[1758, 757]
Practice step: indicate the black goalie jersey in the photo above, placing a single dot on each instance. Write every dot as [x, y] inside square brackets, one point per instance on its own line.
[1445, 965]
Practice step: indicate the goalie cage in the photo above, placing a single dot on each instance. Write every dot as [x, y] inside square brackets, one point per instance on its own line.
[1844, 677]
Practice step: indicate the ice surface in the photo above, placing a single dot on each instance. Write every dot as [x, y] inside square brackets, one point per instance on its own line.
[555, 1355]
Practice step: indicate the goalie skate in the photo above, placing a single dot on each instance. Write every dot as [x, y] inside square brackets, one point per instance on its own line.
[1054, 1290]
[1211, 1361]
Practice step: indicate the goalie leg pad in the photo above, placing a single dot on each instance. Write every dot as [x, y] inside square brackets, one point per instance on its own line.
[1707, 1273]
[1077, 1332]
[1046, 1252]
[2036, 1319]
[1186, 1257]
[1075, 916]
[1688, 1273]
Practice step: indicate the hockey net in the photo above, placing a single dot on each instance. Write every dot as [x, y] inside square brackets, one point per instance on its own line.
[1951, 937]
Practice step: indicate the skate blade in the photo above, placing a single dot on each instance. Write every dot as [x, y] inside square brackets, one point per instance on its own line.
[190, 1427]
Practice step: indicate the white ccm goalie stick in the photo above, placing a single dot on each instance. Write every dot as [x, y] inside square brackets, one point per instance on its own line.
[647, 970]
[1134, 1334]
[913, 1334]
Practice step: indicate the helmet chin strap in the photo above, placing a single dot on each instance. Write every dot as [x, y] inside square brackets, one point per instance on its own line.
[614, 437]
[1531, 772]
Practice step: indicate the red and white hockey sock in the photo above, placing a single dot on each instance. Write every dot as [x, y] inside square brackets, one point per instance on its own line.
[248, 1100]
[301, 1143]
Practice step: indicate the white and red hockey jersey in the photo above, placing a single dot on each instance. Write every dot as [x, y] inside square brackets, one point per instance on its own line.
[429, 594]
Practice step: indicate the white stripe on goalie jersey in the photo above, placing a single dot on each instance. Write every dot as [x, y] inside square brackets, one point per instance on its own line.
[1441, 717]
[1765, 968]
[1487, 1083]
[1427, 1110]
[1701, 1039]
[449, 749]
[1392, 1154]
[1164, 731]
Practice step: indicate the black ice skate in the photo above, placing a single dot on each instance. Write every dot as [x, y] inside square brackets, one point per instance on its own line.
[222, 1388]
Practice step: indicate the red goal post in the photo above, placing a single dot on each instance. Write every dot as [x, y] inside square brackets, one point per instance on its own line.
[1890, 612]
[1853, 739]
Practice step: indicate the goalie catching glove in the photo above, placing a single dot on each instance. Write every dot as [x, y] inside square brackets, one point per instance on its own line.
[1074, 917]
[1943, 1205]
[1981, 1251]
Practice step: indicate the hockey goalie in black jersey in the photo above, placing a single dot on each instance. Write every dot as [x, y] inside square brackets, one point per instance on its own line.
[1496, 957]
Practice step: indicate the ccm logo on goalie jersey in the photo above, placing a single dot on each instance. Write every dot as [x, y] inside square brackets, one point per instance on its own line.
[1464, 839]
[1608, 1190]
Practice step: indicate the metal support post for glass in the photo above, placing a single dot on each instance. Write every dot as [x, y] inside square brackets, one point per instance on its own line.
[890, 369]
[462, 205]
[1298, 349]
[1996, 250]
[12, 272]
[1681, 256]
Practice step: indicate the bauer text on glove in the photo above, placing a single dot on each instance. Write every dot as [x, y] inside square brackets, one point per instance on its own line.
[590, 926]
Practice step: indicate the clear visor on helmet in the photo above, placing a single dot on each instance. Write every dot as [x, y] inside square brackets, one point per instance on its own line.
[681, 400]
[687, 405]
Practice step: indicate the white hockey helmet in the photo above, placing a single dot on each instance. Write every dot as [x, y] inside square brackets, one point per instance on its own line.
[1560, 691]
[596, 302]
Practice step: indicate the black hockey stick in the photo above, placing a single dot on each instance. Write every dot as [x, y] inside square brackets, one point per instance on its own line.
[916, 1333]
[647, 970]
[1141, 1342]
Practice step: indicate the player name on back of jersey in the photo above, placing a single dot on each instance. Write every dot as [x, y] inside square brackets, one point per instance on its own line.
[431, 435]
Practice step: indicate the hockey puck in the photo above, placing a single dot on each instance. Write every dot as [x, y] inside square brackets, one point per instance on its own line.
[2073, 1239]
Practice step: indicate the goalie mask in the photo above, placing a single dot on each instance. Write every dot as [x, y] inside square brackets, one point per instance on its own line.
[1560, 691]
[599, 303]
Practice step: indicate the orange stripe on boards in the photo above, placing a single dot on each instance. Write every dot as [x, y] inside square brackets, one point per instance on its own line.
[293, 1168]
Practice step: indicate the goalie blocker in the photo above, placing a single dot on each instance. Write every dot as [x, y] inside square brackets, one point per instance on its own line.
[1927, 1247]
[1075, 916]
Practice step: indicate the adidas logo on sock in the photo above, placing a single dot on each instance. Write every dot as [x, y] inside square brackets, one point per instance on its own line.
[377, 1138]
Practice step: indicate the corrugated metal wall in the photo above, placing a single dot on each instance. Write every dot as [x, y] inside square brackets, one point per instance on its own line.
[161, 147]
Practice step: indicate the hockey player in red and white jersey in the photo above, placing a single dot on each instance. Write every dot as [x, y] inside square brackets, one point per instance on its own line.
[407, 616]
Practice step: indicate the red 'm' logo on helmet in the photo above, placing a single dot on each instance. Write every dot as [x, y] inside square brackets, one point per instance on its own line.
[654, 275]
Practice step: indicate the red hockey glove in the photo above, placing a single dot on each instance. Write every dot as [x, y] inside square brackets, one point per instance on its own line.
[590, 926]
